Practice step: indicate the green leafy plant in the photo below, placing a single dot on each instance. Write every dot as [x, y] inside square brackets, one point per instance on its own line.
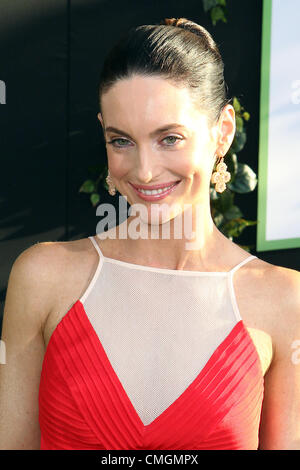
[97, 175]
[227, 216]
[217, 9]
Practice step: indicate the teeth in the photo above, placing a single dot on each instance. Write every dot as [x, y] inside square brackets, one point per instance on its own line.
[155, 191]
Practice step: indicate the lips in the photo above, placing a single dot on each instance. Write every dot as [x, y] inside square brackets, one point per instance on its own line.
[159, 195]
[155, 186]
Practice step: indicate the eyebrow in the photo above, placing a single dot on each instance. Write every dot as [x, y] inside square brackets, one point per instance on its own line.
[167, 127]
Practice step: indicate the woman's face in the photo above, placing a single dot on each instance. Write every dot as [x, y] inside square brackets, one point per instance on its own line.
[155, 135]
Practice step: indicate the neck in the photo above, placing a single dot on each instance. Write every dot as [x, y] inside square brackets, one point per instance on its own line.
[187, 239]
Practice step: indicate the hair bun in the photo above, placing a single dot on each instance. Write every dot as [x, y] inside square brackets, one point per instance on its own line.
[173, 21]
[193, 27]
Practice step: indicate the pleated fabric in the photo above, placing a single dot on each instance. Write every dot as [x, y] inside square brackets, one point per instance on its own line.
[83, 405]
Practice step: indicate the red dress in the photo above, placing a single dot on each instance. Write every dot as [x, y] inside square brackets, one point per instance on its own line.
[83, 404]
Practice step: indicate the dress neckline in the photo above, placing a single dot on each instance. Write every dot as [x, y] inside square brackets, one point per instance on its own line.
[167, 270]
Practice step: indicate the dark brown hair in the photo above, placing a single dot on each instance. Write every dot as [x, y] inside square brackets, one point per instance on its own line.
[177, 49]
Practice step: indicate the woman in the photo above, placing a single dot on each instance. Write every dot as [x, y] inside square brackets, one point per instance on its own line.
[126, 342]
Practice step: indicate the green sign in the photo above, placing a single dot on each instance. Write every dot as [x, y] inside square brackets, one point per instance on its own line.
[279, 134]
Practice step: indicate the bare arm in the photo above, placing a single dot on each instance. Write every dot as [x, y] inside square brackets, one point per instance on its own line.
[280, 423]
[26, 307]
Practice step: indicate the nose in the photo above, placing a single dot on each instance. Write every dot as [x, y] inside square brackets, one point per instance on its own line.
[145, 177]
[143, 169]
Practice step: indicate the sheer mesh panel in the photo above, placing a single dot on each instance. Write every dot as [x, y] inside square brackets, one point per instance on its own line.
[158, 329]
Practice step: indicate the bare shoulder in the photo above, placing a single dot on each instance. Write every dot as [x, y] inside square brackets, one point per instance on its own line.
[30, 279]
[42, 262]
[42, 271]
[34, 282]
[275, 291]
[284, 278]
[279, 427]
[50, 258]
[268, 299]
[283, 286]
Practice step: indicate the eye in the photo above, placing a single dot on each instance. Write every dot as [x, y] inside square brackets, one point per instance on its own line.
[173, 140]
[113, 142]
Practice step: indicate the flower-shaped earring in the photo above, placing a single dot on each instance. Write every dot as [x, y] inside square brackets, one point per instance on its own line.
[111, 186]
[221, 176]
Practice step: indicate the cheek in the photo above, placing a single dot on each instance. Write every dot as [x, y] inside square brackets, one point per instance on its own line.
[191, 164]
[195, 165]
[118, 165]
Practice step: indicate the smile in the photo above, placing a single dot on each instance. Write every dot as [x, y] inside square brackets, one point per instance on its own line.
[155, 194]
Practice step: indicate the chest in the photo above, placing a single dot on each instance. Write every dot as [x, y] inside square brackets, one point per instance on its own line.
[83, 372]
[183, 323]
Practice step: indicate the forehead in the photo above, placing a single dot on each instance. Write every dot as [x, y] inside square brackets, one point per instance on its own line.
[149, 100]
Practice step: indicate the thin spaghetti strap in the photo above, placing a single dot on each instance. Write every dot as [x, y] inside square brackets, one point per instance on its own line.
[97, 247]
[231, 286]
[96, 273]
[235, 268]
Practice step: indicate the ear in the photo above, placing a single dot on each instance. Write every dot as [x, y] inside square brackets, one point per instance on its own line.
[100, 119]
[227, 128]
